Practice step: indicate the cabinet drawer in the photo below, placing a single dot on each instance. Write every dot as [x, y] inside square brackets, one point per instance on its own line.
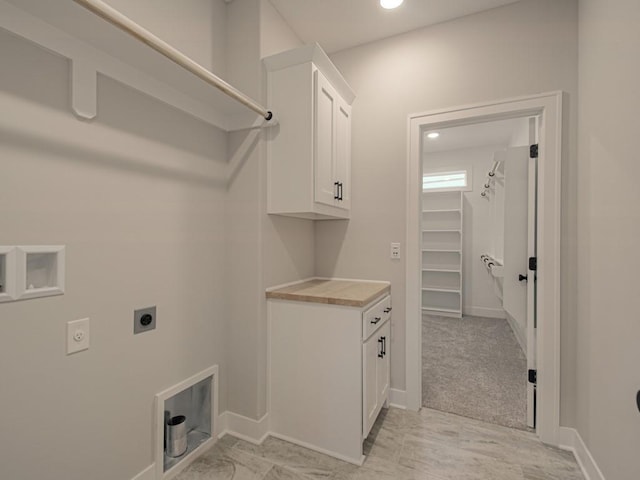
[374, 317]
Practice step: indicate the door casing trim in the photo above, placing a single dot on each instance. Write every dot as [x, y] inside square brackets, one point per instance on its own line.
[549, 107]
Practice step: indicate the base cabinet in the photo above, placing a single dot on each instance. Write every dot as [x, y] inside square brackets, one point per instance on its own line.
[328, 373]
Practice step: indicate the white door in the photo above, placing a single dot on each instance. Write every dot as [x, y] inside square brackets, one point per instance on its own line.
[516, 229]
[325, 130]
[532, 217]
[519, 245]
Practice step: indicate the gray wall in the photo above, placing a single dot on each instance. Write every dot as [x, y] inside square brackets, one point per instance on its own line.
[134, 197]
[609, 227]
[195, 27]
[263, 250]
[138, 198]
[519, 49]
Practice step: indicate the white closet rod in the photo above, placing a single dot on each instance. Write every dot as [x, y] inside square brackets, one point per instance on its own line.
[132, 28]
[492, 172]
[493, 265]
[490, 176]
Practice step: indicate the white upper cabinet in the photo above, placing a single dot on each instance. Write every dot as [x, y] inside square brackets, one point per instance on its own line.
[309, 153]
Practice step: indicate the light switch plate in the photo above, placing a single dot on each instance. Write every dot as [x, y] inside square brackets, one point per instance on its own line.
[77, 335]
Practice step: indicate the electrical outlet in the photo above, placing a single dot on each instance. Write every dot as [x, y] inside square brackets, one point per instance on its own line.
[144, 319]
[395, 251]
[77, 335]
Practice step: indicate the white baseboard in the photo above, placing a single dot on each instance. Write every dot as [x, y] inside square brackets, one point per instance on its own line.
[398, 398]
[147, 474]
[519, 332]
[256, 431]
[248, 429]
[571, 440]
[484, 312]
[354, 461]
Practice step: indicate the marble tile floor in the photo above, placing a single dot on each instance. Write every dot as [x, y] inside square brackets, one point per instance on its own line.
[403, 445]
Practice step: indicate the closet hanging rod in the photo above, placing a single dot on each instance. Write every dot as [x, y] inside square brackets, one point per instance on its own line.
[492, 172]
[132, 28]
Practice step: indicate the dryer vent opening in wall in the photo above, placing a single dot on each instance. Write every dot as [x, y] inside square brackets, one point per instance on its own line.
[186, 421]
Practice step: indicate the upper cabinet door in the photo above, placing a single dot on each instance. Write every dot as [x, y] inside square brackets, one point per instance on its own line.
[326, 98]
[343, 154]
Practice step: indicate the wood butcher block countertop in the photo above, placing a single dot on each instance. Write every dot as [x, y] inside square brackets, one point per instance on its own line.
[349, 293]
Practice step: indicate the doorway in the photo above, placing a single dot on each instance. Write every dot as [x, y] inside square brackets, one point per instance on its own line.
[477, 232]
[546, 351]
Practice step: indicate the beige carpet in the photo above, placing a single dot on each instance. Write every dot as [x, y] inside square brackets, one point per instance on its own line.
[474, 367]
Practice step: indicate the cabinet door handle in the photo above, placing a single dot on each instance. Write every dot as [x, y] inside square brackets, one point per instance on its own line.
[375, 320]
[384, 346]
[381, 352]
[336, 195]
[387, 310]
[340, 186]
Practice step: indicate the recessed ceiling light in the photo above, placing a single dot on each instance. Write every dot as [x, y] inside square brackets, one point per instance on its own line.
[389, 4]
[433, 135]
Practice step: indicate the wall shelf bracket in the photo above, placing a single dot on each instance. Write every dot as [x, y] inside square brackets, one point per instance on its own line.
[84, 89]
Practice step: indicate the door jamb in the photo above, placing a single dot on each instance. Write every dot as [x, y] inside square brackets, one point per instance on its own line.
[549, 107]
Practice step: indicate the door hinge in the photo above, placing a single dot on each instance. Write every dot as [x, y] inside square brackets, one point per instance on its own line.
[533, 263]
[533, 376]
[533, 151]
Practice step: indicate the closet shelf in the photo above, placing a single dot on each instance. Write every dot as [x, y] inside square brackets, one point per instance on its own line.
[446, 310]
[441, 270]
[442, 240]
[441, 290]
[447, 210]
[440, 250]
[95, 46]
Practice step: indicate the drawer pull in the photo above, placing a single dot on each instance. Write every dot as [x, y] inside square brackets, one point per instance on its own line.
[387, 310]
[376, 320]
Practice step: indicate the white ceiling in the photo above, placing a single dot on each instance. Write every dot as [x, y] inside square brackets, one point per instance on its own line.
[340, 24]
[497, 133]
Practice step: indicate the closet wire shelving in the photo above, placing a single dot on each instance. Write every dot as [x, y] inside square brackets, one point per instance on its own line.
[442, 238]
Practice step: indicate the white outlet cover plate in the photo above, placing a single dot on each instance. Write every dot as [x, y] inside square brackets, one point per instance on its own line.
[395, 251]
[77, 335]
